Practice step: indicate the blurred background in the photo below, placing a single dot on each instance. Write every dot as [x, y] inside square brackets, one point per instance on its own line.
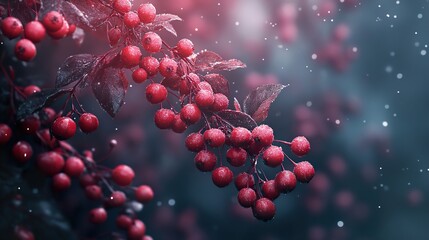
[358, 91]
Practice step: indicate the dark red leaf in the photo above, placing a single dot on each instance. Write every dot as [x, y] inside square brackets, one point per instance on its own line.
[218, 83]
[228, 65]
[204, 60]
[163, 21]
[258, 102]
[39, 100]
[237, 119]
[109, 87]
[166, 17]
[237, 105]
[82, 12]
[74, 68]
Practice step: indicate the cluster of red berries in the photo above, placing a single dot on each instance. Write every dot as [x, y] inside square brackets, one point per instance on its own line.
[53, 24]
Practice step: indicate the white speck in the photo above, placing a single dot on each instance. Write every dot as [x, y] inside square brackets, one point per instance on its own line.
[309, 103]
[171, 202]
[389, 69]
[314, 56]
[337, 122]
[385, 124]
[423, 52]
[386, 106]
[399, 76]
[340, 223]
[237, 23]
[419, 16]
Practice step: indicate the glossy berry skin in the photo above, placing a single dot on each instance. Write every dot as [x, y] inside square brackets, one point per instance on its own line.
[222, 176]
[123, 175]
[62, 33]
[240, 136]
[72, 29]
[30, 90]
[93, 192]
[124, 222]
[130, 56]
[131, 19]
[116, 199]
[61, 181]
[30, 125]
[264, 209]
[273, 156]
[144, 194]
[98, 215]
[53, 21]
[204, 99]
[63, 128]
[22, 151]
[246, 197]
[114, 35]
[195, 142]
[50, 163]
[136, 230]
[236, 156]
[304, 171]
[300, 146]
[156, 93]
[263, 135]
[220, 102]
[150, 64]
[185, 48]
[164, 118]
[34, 31]
[74, 166]
[205, 161]
[269, 190]
[285, 181]
[167, 67]
[152, 42]
[244, 180]
[122, 6]
[25, 50]
[88, 122]
[11, 27]
[190, 113]
[5, 133]
[139, 75]
[214, 137]
[147, 13]
[179, 126]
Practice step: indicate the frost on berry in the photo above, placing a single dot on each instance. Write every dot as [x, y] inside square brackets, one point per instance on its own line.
[222, 176]
[273, 156]
[151, 42]
[195, 142]
[190, 113]
[285, 181]
[304, 171]
[244, 180]
[269, 190]
[236, 156]
[246, 197]
[300, 146]
[11, 27]
[146, 13]
[53, 21]
[205, 160]
[264, 209]
[214, 137]
[164, 118]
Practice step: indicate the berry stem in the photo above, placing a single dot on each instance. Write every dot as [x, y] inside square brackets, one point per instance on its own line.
[284, 142]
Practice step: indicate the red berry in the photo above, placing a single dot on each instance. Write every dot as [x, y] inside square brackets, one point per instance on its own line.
[164, 118]
[269, 190]
[195, 142]
[240, 136]
[168, 67]
[123, 221]
[30, 125]
[61, 181]
[300, 146]
[204, 98]
[62, 33]
[136, 230]
[244, 180]
[205, 160]
[214, 137]
[93, 192]
[285, 181]
[264, 209]
[123, 175]
[22, 233]
[205, 86]
[246, 197]
[87, 180]
[147, 13]
[184, 87]
[116, 199]
[222, 176]
[5, 133]
[131, 19]
[53, 21]
[236, 156]
[88, 122]
[220, 102]
[122, 6]
[72, 29]
[190, 113]
[34, 31]
[130, 56]
[114, 35]
[98, 215]
[193, 79]
[152, 42]
[48, 115]
[144, 193]
[185, 48]
[179, 126]
[22, 151]
[304, 171]
[63, 128]
[273, 156]
[156, 93]
[30, 90]
[139, 75]
[11, 27]
[25, 50]
[150, 64]
[50, 163]
[74, 166]
[263, 135]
